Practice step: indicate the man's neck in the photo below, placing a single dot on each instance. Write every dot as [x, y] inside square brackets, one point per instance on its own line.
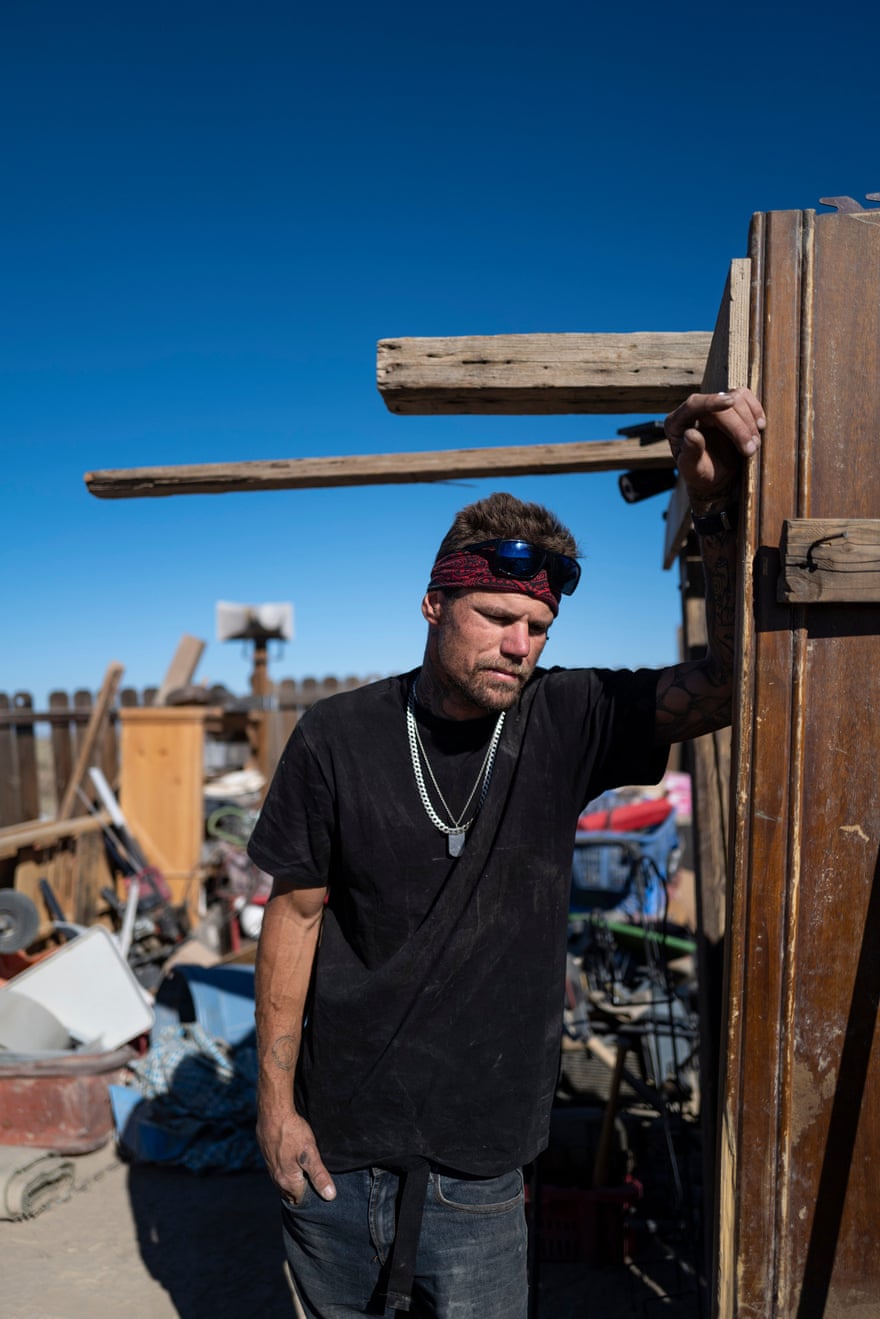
[436, 694]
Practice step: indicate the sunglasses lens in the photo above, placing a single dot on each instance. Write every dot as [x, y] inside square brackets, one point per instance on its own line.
[566, 572]
[519, 559]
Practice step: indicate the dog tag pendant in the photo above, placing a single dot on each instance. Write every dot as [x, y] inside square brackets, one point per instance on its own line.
[456, 842]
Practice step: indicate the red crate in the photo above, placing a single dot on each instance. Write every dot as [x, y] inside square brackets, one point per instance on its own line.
[580, 1226]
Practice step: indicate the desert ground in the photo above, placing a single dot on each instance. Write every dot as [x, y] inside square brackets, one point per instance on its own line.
[158, 1243]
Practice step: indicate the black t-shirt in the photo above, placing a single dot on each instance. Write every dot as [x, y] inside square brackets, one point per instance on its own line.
[434, 1019]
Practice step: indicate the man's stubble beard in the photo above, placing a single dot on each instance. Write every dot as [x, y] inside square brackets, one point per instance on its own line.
[480, 690]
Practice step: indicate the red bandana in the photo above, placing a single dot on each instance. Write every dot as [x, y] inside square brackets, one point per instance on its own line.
[463, 571]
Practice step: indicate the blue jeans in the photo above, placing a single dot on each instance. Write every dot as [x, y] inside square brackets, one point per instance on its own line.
[471, 1261]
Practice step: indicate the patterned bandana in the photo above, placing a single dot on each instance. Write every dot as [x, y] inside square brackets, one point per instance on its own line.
[463, 571]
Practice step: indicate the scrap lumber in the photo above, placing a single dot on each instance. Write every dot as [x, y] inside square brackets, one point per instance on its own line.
[96, 724]
[376, 469]
[182, 667]
[541, 374]
[830, 561]
[38, 834]
[525, 374]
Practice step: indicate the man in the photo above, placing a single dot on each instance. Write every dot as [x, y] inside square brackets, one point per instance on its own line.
[409, 1026]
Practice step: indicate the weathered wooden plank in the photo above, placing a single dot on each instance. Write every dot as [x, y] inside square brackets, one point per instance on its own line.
[64, 713]
[62, 751]
[834, 561]
[26, 750]
[92, 874]
[541, 374]
[82, 703]
[100, 712]
[709, 757]
[183, 665]
[726, 367]
[766, 732]
[708, 762]
[375, 469]
[800, 1142]
[107, 751]
[45, 833]
[10, 802]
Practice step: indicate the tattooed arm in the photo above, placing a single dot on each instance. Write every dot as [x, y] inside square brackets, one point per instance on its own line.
[711, 436]
[288, 941]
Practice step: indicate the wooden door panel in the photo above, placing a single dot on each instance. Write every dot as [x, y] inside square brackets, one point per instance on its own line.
[800, 1151]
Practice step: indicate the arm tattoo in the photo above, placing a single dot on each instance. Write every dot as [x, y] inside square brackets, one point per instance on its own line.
[285, 1051]
[695, 697]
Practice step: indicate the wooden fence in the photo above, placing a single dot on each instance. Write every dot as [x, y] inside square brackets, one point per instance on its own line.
[39, 747]
[50, 821]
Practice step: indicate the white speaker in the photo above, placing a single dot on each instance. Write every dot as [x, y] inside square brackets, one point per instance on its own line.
[254, 622]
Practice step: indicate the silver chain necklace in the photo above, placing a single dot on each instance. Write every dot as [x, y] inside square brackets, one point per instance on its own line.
[457, 831]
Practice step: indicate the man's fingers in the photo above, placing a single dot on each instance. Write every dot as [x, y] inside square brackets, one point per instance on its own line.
[294, 1184]
[745, 421]
[323, 1184]
[310, 1162]
[292, 1157]
[736, 412]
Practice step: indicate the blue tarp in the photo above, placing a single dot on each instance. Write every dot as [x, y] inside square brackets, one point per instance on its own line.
[193, 1098]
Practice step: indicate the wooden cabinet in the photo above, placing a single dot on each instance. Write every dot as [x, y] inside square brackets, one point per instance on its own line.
[161, 778]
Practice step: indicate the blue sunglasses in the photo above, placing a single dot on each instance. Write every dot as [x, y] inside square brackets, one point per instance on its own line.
[523, 561]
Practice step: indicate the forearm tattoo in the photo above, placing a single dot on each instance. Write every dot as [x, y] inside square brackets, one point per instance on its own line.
[694, 698]
[285, 1051]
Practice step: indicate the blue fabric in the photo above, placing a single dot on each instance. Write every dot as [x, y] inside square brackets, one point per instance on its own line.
[471, 1260]
[219, 998]
[195, 1104]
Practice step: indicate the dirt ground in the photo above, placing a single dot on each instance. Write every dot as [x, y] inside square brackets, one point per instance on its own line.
[158, 1243]
[150, 1242]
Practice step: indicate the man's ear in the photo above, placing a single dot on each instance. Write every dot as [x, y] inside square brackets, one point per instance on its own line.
[432, 607]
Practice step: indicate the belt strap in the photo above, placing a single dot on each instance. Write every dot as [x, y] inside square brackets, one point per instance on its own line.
[402, 1261]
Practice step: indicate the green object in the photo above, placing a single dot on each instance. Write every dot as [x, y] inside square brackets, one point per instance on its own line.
[637, 935]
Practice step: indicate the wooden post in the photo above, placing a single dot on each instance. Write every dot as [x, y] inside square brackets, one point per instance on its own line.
[800, 1125]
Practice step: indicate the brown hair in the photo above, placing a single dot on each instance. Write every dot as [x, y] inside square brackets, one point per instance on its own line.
[501, 516]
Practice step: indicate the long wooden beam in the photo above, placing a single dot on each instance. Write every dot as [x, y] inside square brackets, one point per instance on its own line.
[377, 469]
[541, 373]
[45, 833]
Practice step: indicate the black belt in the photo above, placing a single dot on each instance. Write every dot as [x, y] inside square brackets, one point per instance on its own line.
[401, 1266]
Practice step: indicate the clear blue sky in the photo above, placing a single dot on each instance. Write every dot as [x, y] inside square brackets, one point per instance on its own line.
[212, 212]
